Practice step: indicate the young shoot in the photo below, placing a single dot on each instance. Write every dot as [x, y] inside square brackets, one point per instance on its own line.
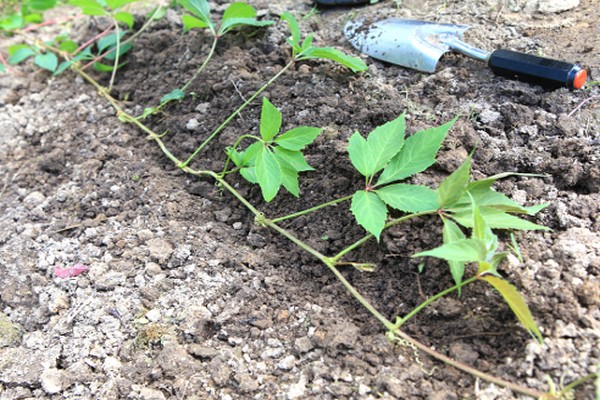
[274, 159]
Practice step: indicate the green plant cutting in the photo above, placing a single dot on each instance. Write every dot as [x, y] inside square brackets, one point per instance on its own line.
[469, 210]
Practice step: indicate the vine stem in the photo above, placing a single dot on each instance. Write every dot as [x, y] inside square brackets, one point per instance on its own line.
[234, 114]
[430, 300]
[129, 39]
[92, 40]
[126, 117]
[117, 54]
[234, 147]
[204, 64]
[328, 261]
[315, 208]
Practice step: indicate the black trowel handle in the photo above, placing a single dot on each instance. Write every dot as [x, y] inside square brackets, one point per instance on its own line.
[545, 72]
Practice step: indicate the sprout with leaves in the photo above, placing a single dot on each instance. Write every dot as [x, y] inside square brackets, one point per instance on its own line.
[274, 159]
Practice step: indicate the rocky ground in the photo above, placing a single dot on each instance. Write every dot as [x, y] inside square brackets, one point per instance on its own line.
[187, 298]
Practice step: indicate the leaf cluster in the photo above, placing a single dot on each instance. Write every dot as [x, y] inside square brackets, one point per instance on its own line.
[236, 15]
[303, 49]
[388, 152]
[274, 159]
[30, 12]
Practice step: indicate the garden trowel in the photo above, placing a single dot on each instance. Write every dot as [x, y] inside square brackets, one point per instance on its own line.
[419, 45]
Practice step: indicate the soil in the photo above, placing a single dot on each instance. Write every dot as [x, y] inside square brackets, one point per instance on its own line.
[187, 298]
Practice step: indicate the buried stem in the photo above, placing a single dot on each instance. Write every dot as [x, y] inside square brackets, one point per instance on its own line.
[430, 300]
[204, 64]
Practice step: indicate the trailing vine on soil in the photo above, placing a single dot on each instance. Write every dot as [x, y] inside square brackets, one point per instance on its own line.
[274, 159]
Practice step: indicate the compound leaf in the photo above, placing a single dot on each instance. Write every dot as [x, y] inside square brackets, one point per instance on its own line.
[417, 154]
[370, 212]
[516, 303]
[298, 138]
[270, 120]
[408, 198]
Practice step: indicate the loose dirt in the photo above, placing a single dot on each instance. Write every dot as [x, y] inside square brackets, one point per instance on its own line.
[187, 298]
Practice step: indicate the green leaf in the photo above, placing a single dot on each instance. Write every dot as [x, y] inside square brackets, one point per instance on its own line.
[516, 303]
[237, 22]
[175, 94]
[462, 250]
[249, 155]
[84, 54]
[47, 61]
[239, 10]
[249, 173]
[454, 186]
[157, 13]
[370, 212]
[89, 7]
[235, 156]
[2, 68]
[384, 142]
[106, 68]
[68, 45]
[289, 177]
[190, 22]
[294, 158]
[125, 17]
[19, 53]
[482, 231]
[238, 14]
[452, 233]
[359, 154]
[114, 4]
[11, 22]
[40, 5]
[270, 120]
[496, 219]
[298, 138]
[353, 63]
[408, 198]
[307, 42]
[200, 8]
[108, 41]
[268, 173]
[417, 154]
[294, 27]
